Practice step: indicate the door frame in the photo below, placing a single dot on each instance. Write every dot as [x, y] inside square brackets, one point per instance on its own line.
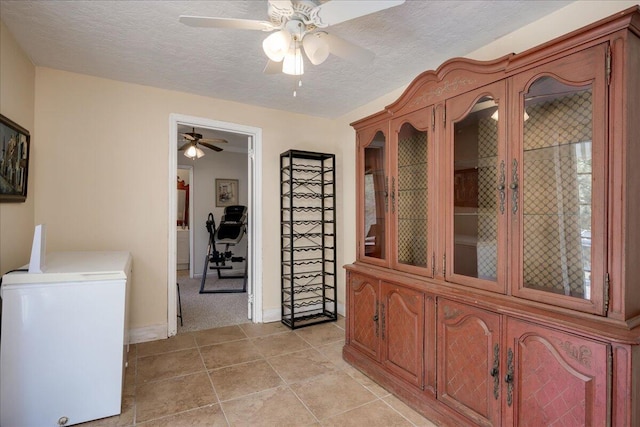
[191, 191]
[254, 168]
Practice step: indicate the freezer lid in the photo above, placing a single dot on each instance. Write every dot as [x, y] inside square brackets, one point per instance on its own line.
[75, 267]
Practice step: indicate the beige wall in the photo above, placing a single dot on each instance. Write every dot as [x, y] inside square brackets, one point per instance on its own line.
[17, 94]
[103, 171]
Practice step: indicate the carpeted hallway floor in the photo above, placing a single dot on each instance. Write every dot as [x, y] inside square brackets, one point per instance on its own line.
[206, 311]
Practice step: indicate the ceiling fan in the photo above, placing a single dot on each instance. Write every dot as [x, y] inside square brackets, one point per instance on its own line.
[194, 139]
[299, 23]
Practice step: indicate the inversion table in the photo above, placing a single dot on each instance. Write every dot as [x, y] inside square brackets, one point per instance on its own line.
[230, 232]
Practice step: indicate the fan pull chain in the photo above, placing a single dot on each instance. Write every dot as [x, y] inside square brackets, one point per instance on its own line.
[299, 71]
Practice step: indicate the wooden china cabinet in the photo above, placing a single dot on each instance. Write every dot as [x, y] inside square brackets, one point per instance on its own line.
[498, 258]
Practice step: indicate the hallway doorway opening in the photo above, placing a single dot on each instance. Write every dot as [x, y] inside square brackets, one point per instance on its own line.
[239, 160]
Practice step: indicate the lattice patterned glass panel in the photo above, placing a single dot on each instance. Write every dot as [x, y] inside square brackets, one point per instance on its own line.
[412, 196]
[556, 191]
[475, 197]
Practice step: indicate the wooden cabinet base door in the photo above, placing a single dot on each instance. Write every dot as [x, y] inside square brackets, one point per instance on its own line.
[403, 332]
[467, 354]
[558, 379]
[364, 319]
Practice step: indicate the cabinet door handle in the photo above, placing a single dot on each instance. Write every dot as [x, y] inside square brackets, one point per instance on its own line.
[508, 378]
[501, 187]
[393, 194]
[514, 186]
[382, 313]
[375, 319]
[495, 371]
[386, 194]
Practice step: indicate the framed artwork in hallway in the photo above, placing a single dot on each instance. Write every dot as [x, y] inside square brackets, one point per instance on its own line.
[226, 192]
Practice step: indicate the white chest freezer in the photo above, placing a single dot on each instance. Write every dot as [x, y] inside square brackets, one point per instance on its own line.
[64, 340]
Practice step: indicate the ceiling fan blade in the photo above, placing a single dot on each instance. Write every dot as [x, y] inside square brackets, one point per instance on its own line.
[185, 146]
[281, 7]
[212, 147]
[240, 24]
[188, 136]
[347, 50]
[337, 11]
[213, 141]
[272, 67]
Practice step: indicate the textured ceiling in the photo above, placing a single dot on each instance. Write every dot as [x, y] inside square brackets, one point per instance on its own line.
[143, 42]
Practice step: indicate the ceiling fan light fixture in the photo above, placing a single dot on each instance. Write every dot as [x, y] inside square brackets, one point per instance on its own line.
[193, 152]
[316, 48]
[293, 63]
[292, 20]
[276, 45]
[190, 152]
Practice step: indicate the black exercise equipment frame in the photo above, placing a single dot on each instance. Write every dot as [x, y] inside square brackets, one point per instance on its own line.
[221, 258]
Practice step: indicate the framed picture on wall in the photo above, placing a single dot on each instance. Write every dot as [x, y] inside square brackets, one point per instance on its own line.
[226, 192]
[14, 161]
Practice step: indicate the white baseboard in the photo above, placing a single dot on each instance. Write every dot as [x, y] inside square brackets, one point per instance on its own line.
[159, 331]
[341, 310]
[148, 333]
[274, 314]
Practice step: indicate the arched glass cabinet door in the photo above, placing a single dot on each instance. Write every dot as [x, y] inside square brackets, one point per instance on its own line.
[374, 198]
[410, 192]
[559, 204]
[476, 202]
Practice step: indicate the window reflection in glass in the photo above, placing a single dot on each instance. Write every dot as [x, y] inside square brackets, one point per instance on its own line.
[557, 187]
[375, 197]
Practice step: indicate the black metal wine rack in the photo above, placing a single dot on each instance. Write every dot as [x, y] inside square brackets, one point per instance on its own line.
[308, 238]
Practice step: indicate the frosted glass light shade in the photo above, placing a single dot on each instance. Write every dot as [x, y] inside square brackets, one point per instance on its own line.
[276, 45]
[316, 48]
[190, 152]
[293, 63]
[194, 152]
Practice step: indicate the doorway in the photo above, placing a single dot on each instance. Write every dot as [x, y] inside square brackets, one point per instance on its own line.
[184, 212]
[253, 138]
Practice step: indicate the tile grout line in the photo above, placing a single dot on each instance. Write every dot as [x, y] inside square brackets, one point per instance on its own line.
[226, 418]
[304, 404]
[339, 369]
[398, 412]
[291, 390]
[316, 347]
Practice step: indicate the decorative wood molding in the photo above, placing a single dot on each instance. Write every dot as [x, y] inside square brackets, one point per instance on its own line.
[450, 313]
[582, 354]
[451, 78]
[448, 87]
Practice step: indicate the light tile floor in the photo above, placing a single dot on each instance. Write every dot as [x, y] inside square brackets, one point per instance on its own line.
[254, 375]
